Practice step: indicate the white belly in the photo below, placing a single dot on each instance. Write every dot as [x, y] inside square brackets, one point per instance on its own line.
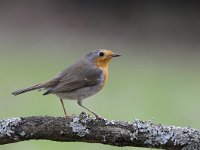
[80, 93]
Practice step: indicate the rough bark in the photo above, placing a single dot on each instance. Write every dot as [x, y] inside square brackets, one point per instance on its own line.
[83, 128]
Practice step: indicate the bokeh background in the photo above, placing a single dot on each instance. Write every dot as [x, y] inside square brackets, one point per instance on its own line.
[157, 78]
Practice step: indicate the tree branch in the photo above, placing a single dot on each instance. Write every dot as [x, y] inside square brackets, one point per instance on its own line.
[83, 128]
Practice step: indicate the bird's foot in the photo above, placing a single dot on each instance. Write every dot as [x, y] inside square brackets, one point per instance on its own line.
[100, 117]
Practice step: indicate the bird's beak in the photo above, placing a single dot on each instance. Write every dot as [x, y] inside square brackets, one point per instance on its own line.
[115, 55]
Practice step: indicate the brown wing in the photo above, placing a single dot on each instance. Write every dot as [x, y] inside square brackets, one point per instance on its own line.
[77, 76]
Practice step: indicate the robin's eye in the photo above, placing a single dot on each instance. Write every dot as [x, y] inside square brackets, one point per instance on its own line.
[101, 54]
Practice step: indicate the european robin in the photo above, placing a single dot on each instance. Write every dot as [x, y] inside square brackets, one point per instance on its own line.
[82, 79]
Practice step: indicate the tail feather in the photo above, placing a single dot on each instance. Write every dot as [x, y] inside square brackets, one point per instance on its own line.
[34, 87]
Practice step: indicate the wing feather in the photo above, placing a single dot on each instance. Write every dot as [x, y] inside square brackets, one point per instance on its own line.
[77, 76]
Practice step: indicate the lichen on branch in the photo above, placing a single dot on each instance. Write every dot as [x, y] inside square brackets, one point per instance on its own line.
[84, 128]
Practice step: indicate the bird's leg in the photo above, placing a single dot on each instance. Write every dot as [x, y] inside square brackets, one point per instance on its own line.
[80, 104]
[63, 107]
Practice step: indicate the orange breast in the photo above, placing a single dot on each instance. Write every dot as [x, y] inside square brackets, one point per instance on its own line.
[103, 64]
[105, 70]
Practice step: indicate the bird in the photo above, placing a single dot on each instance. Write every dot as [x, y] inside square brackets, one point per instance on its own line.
[80, 80]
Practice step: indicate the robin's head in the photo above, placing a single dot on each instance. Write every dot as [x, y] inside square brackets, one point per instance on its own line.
[101, 57]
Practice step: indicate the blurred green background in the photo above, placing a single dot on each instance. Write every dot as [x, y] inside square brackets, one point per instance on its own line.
[157, 78]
